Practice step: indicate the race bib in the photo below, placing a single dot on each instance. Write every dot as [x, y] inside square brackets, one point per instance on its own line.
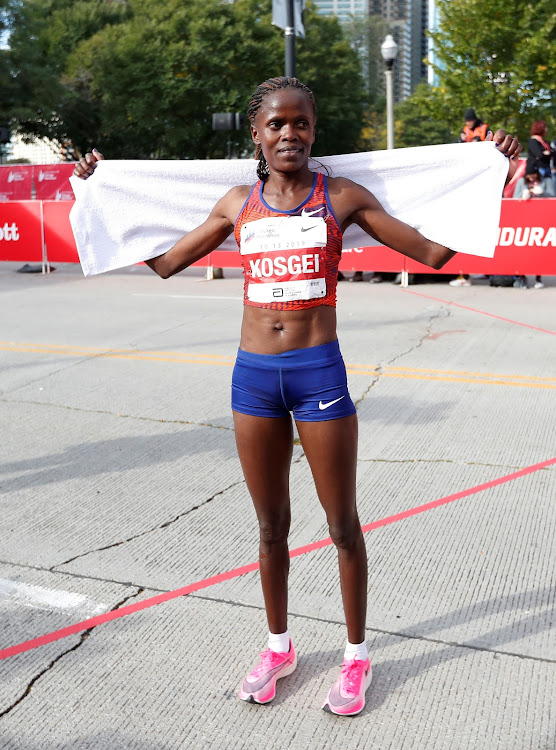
[284, 258]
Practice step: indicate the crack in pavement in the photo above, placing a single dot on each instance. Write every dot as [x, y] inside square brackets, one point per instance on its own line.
[442, 313]
[371, 385]
[382, 631]
[246, 605]
[56, 568]
[80, 576]
[84, 636]
[442, 461]
[379, 371]
[116, 414]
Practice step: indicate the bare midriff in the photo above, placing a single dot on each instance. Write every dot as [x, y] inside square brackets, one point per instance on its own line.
[266, 331]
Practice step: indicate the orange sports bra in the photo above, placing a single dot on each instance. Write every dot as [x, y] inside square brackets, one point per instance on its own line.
[290, 258]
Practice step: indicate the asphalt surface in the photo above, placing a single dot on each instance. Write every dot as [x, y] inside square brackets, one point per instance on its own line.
[119, 482]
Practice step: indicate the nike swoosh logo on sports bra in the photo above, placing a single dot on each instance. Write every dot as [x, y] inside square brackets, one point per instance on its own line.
[305, 214]
[325, 406]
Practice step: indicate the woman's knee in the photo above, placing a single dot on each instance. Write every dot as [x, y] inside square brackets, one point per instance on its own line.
[274, 530]
[345, 533]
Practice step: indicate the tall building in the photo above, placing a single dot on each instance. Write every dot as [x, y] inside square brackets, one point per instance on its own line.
[344, 9]
[433, 24]
[407, 21]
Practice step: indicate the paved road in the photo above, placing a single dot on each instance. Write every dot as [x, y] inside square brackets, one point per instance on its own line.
[119, 482]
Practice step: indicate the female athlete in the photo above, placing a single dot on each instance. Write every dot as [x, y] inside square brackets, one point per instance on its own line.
[289, 229]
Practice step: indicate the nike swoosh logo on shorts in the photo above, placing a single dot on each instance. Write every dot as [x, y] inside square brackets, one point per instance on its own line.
[325, 406]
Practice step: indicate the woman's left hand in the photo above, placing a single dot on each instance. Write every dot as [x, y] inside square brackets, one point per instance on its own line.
[510, 147]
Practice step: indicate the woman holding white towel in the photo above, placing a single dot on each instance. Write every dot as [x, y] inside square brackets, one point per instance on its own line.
[289, 229]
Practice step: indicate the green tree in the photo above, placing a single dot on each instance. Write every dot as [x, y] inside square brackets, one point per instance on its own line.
[499, 57]
[43, 32]
[416, 121]
[330, 66]
[142, 79]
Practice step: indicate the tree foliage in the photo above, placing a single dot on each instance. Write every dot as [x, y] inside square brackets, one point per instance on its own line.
[142, 79]
[499, 57]
[417, 122]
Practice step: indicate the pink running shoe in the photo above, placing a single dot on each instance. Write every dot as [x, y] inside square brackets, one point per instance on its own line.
[260, 685]
[347, 696]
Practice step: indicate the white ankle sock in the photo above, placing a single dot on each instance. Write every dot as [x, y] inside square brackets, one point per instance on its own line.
[279, 642]
[356, 650]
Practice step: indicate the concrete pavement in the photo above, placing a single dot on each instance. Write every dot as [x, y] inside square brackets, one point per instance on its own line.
[119, 481]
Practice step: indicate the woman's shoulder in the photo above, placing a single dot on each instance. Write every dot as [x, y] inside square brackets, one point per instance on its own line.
[341, 185]
[237, 194]
[239, 191]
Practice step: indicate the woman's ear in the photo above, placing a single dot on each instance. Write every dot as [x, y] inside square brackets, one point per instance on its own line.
[255, 136]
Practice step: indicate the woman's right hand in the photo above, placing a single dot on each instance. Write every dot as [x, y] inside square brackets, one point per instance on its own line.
[87, 164]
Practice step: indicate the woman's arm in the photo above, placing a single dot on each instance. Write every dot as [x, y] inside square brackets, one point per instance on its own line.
[205, 238]
[354, 204]
[375, 221]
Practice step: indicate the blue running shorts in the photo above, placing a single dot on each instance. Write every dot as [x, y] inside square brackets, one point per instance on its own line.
[311, 383]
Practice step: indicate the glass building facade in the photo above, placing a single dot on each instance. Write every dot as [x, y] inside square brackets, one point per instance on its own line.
[407, 22]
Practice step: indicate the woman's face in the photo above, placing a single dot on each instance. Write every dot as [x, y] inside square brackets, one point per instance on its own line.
[285, 129]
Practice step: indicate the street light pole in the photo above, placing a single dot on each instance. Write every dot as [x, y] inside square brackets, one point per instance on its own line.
[289, 39]
[389, 109]
[389, 51]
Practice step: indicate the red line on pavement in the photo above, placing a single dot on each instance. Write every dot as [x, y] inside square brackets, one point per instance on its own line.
[482, 312]
[115, 614]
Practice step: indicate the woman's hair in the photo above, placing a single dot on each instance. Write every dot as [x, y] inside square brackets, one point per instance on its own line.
[268, 87]
[534, 174]
[538, 127]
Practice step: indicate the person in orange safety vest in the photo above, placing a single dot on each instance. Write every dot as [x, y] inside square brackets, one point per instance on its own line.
[474, 129]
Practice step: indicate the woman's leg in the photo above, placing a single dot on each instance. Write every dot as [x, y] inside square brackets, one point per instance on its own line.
[265, 447]
[331, 449]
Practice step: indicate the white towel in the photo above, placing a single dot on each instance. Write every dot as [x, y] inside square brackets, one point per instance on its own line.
[131, 211]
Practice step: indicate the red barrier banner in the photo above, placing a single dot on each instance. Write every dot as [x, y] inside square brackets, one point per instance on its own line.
[21, 231]
[52, 182]
[16, 183]
[58, 236]
[526, 245]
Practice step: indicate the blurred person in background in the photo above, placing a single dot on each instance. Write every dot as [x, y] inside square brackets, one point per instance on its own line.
[532, 186]
[540, 155]
[474, 129]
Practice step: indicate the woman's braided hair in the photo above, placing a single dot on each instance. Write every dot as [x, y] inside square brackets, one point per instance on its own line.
[267, 87]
